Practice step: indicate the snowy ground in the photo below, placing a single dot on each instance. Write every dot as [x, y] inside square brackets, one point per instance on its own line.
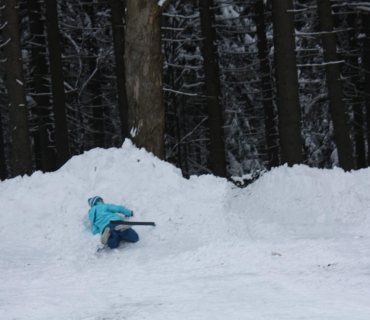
[294, 245]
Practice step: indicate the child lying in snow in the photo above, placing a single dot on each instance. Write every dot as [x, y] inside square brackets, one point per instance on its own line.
[101, 214]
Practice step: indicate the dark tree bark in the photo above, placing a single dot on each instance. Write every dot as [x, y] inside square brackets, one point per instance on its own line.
[95, 88]
[287, 83]
[40, 72]
[98, 109]
[22, 162]
[117, 14]
[268, 107]
[144, 67]
[35, 136]
[174, 115]
[3, 173]
[366, 66]
[56, 69]
[213, 88]
[357, 99]
[335, 86]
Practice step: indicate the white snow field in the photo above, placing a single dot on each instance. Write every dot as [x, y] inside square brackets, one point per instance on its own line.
[293, 245]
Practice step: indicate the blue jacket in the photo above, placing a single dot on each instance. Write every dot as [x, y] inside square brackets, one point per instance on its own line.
[102, 213]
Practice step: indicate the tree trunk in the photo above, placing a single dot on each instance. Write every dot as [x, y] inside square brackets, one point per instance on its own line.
[357, 101]
[335, 87]
[366, 66]
[94, 86]
[287, 83]
[3, 173]
[22, 162]
[185, 166]
[56, 69]
[213, 88]
[144, 67]
[98, 109]
[40, 72]
[268, 107]
[35, 138]
[117, 14]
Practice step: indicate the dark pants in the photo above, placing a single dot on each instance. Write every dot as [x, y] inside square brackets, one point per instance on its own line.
[116, 236]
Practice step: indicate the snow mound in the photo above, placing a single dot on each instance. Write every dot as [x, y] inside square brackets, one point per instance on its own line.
[53, 206]
[303, 202]
[296, 202]
[296, 240]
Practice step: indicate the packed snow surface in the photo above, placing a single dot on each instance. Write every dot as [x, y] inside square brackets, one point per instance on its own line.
[293, 245]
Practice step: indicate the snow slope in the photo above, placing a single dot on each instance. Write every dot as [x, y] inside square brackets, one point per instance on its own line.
[293, 245]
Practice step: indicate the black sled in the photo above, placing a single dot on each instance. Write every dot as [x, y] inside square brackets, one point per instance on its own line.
[133, 223]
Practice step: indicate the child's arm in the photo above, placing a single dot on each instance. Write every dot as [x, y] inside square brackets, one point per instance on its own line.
[92, 218]
[120, 209]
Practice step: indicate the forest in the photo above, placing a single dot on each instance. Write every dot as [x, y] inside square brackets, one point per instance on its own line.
[224, 87]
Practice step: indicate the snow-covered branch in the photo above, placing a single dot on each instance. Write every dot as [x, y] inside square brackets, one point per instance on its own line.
[182, 66]
[5, 43]
[298, 33]
[180, 92]
[4, 25]
[182, 40]
[187, 135]
[320, 64]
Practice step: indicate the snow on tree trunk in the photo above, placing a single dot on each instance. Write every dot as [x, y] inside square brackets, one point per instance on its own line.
[335, 86]
[144, 66]
[287, 83]
[22, 163]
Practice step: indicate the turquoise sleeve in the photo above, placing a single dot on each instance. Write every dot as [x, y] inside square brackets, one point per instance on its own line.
[91, 215]
[120, 209]
[95, 229]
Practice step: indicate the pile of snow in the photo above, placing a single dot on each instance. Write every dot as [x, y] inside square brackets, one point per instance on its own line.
[294, 244]
[310, 203]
